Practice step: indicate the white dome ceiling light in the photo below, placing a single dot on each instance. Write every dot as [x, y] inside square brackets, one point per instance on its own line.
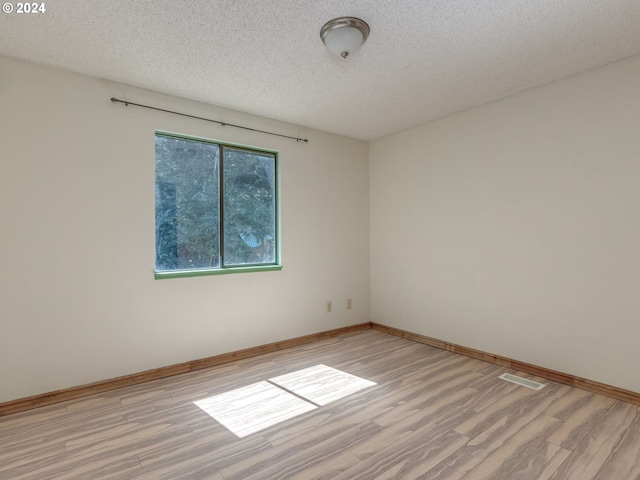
[344, 35]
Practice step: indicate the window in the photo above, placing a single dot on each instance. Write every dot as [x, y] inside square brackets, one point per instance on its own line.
[216, 207]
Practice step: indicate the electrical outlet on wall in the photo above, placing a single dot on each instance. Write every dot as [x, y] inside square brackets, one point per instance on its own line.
[349, 304]
[329, 306]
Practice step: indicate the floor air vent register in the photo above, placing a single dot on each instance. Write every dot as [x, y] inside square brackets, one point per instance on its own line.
[522, 381]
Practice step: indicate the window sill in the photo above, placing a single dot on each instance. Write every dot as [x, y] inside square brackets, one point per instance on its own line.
[215, 271]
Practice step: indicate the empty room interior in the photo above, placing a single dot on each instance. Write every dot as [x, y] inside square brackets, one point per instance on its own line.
[320, 240]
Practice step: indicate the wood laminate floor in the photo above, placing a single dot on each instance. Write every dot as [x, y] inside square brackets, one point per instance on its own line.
[431, 415]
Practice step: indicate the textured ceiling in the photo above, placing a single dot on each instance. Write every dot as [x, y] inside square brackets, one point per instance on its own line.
[424, 58]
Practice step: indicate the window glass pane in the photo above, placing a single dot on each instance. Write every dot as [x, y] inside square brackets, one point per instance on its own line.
[187, 201]
[249, 207]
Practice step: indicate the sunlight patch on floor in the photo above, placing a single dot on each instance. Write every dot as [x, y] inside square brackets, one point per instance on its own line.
[321, 384]
[249, 409]
[253, 408]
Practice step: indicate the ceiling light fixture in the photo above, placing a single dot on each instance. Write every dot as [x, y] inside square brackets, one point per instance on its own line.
[344, 35]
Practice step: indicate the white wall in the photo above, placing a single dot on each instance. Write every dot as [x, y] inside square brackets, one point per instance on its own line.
[78, 299]
[514, 227]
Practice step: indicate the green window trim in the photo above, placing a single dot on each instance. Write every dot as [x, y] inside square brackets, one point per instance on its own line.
[244, 242]
[215, 271]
